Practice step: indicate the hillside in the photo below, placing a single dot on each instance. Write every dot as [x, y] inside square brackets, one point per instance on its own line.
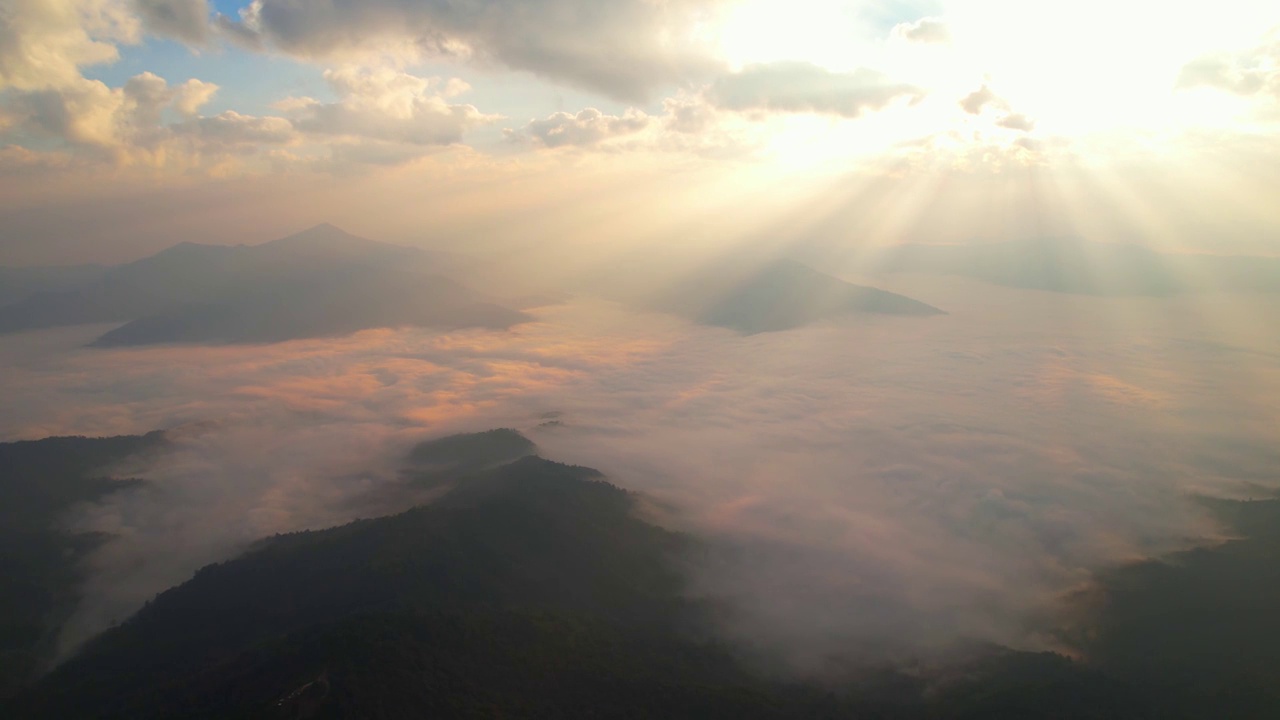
[319, 282]
[533, 589]
[40, 480]
[780, 295]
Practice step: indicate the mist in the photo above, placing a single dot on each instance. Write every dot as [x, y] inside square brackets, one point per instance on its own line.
[863, 487]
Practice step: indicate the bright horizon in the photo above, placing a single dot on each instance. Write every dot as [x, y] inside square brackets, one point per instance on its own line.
[174, 120]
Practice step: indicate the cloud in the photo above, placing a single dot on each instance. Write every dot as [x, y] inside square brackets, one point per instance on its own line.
[388, 105]
[44, 43]
[150, 95]
[799, 87]
[984, 98]
[930, 30]
[859, 481]
[128, 124]
[45, 98]
[192, 95]
[391, 115]
[185, 20]
[688, 115]
[1255, 71]
[1017, 121]
[231, 129]
[625, 49]
[978, 100]
[588, 127]
[689, 125]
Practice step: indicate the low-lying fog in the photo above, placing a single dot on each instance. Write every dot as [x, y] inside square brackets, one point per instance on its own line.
[891, 480]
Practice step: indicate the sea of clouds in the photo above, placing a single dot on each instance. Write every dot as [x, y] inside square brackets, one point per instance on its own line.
[861, 486]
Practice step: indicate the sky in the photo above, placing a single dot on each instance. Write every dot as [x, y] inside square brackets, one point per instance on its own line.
[128, 124]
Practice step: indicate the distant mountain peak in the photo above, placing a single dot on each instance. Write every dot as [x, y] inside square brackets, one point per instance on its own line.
[783, 294]
[323, 233]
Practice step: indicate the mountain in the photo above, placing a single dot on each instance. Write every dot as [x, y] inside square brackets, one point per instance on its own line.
[531, 585]
[316, 283]
[533, 589]
[780, 295]
[17, 283]
[39, 560]
[1199, 630]
[1073, 265]
[472, 451]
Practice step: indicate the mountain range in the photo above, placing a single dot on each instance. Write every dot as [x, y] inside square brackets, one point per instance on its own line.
[320, 282]
[533, 588]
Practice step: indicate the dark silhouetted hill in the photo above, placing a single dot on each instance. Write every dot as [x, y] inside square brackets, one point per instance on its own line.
[531, 590]
[534, 589]
[319, 282]
[39, 560]
[1199, 630]
[472, 451]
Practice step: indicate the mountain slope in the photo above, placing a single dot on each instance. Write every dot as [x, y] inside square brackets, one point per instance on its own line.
[320, 282]
[781, 295]
[531, 590]
[39, 560]
[530, 547]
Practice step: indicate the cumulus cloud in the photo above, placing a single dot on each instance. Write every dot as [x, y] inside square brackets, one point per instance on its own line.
[231, 129]
[44, 43]
[45, 98]
[688, 125]
[624, 49]
[930, 30]
[129, 124]
[88, 113]
[388, 105]
[150, 95]
[804, 87]
[185, 20]
[382, 116]
[587, 127]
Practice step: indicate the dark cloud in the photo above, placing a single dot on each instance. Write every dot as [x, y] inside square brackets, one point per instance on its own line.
[185, 20]
[625, 49]
[799, 87]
